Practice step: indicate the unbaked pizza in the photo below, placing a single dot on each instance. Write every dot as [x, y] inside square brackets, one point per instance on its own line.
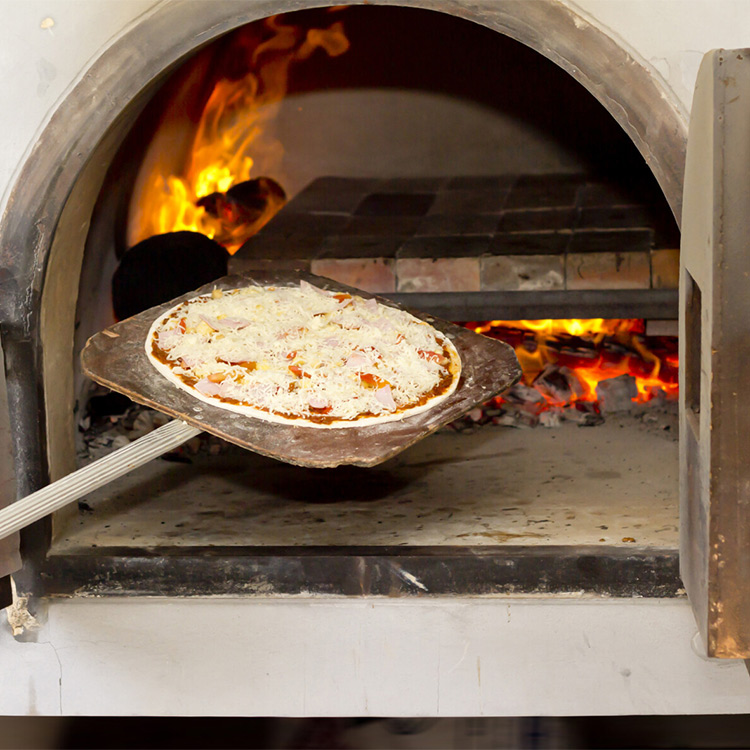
[303, 355]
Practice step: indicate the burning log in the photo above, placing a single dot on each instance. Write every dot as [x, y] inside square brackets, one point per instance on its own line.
[164, 267]
[230, 94]
[566, 359]
[559, 384]
[244, 208]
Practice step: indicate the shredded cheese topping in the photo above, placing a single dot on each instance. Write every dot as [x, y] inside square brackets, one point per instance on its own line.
[302, 352]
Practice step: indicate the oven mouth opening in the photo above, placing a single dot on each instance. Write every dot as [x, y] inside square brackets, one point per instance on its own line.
[596, 193]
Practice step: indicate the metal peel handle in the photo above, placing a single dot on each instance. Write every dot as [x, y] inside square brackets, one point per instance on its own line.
[98, 473]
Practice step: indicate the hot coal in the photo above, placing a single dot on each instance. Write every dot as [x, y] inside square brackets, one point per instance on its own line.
[525, 398]
[164, 267]
[551, 418]
[616, 394]
[583, 413]
[510, 414]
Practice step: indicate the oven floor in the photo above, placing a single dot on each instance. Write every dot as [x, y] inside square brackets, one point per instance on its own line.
[613, 485]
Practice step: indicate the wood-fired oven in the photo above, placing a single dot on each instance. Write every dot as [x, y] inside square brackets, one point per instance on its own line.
[533, 166]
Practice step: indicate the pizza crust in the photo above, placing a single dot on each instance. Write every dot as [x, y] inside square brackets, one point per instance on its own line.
[426, 402]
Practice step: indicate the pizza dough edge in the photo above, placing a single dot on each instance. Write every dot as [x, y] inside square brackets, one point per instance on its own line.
[249, 411]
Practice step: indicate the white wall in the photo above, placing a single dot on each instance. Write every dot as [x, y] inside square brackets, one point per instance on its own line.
[40, 61]
[672, 35]
[360, 657]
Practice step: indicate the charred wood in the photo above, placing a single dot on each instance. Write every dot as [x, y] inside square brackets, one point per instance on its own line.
[164, 267]
[245, 203]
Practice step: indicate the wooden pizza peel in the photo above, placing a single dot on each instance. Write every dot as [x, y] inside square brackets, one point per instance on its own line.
[116, 358]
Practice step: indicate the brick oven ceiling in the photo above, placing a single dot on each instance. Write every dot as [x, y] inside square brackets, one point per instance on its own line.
[455, 96]
[408, 49]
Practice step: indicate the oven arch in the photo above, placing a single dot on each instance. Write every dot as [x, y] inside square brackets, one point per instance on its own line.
[625, 86]
[100, 109]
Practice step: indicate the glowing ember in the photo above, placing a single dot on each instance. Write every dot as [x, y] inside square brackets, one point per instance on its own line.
[229, 143]
[594, 350]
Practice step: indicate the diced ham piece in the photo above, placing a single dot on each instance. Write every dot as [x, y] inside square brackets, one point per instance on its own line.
[356, 360]
[291, 332]
[228, 389]
[260, 394]
[236, 323]
[207, 388]
[383, 324]
[316, 402]
[333, 343]
[211, 322]
[385, 397]
[371, 304]
[188, 362]
[167, 340]
[307, 287]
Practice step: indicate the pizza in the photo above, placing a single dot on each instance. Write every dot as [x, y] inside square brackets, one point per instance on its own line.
[303, 355]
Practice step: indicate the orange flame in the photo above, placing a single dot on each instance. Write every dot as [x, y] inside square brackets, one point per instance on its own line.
[230, 137]
[653, 374]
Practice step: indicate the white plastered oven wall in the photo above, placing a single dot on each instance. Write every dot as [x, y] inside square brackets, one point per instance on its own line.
[353, 657]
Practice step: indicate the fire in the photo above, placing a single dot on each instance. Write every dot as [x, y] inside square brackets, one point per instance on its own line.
[230, 141]
[595, 350]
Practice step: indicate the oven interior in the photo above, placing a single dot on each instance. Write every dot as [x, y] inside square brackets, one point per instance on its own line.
[458, 172]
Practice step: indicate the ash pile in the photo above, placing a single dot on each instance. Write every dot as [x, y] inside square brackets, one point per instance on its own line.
[112, 421]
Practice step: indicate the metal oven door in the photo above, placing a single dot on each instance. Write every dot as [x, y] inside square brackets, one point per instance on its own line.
[715, 356]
